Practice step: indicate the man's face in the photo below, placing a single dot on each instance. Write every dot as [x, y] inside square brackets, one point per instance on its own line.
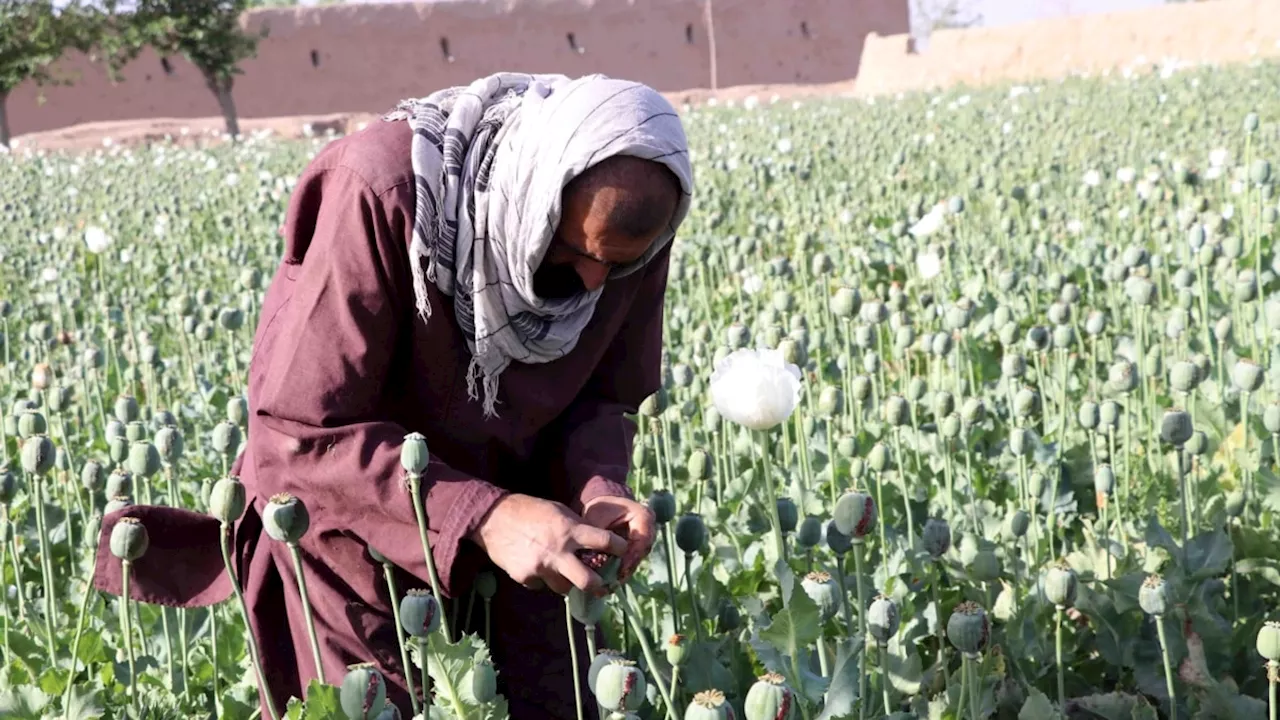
[584, 249]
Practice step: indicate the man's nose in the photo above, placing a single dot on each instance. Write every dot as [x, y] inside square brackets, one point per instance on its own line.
[593, 274]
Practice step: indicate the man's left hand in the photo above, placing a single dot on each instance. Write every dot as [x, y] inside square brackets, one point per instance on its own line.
[627, 518]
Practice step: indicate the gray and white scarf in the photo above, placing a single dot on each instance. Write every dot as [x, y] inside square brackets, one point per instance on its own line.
[490, 161]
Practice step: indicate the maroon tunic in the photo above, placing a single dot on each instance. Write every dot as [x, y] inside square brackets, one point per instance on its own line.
[342, 369]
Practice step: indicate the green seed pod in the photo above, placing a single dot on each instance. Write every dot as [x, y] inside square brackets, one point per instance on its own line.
[951, 426]
[1013, 365]
[237, 410]
[480, 683]
[809, 533]
[31, 422]
[663, 505]
[973, 411]
[1021, 442]
[968, 628]
[940, 344]
[738, 336]
[1198, 444]
[169, 444]
[1037, 339]
[126, 409]
[1088, 415]
[117, 502]
[1234, 504]
[1025, 402]
[904, 337]
[1095, 323]
[830, 402]
[1260, 171]
[936, 537]
[709, 705]
[144, 459]
[860, 387]
[1019, 524]
[285, 518]
[1104, 480]
[1060, 585]
[824, 593]
[838, 542]
[119, 482]
[226, 438]
[227, 500]
[620, 686]
[1109, 413]
[38, 454]
[586, 609]
[8, 485]
[788, 514]
[135, 431]
[1184, 376]
[854, 515]
[602, 658]
[414, 456]
[871, 362]
[691, 533]
[1122, 377]
[846, 302]
[944, 403]
[916, 389]
[114, 429]
[677, 650]
[1153, 596]
[1247, 375]
[1251, 123]
[1271, 417]
[883, 619]
[699, 465]
[985, 566]
[769, 699]
[419, 613]
[1064, 336]
[1269, 641]
[1059, 313]
[896, 411]
[231, 319]
[1140, 290]
[364, 692]
[129, 539]
[847, 447]
[1007, 280]
[878, 458]
[1175, 426]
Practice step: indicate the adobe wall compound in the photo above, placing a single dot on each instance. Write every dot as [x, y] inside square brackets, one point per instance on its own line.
[364, 58]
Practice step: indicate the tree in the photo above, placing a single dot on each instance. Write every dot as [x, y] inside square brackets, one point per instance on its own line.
[210, 34]
[33, 35]
[930, 15]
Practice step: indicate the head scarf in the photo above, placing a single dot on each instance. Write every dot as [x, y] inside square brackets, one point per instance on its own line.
[490, 161]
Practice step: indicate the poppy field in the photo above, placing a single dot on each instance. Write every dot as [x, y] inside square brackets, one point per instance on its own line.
[970, 409]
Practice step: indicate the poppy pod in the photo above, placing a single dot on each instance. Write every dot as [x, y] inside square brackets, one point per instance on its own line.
[419, 613]
[364, 692]
[855, 515]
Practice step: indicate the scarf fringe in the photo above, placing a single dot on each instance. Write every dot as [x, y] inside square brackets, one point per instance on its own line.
[489, 381]
[419, 253]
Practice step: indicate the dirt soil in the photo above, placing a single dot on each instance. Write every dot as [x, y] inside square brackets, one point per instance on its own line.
[203, 131]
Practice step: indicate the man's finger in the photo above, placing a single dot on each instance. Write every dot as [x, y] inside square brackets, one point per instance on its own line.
[594, 538]
[557, 583]
[571, 569]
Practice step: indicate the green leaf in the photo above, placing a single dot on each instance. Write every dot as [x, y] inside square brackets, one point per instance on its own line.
[293, 711]
[82, 704]
[233, 709]
[23, 703]
[1208, 554]
[1112, 706]
[794, 628]
[842, 694]
[903, 666]
[1266, 568]
[1157, 536]
[1037, 707]
[322, 702]
[53, 681]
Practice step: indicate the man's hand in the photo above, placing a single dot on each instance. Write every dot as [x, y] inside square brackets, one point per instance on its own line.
[533, 540]
[627, 518]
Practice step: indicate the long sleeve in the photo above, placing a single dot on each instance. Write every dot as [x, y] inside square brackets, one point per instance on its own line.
[328, 356]
[597, 434]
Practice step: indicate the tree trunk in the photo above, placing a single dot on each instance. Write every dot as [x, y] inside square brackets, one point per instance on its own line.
[222, 91]
[4, 119]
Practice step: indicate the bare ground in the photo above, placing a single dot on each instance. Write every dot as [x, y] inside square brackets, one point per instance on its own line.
[199, 131]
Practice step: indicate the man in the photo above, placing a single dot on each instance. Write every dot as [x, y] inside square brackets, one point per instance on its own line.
[485, 266]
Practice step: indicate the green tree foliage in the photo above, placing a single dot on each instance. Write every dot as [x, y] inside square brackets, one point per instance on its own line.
[33, 35]
[209, 33]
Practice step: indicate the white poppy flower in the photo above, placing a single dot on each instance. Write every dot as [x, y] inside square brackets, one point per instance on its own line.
[1093, 178]
[49, 274]
[784, 145]
[929, 264]
[930, 223]
[96, 239]
[752, 283]
[1228, 211]
[1075, 227]
[1126, 175]
[756, 389]
[1218, 157]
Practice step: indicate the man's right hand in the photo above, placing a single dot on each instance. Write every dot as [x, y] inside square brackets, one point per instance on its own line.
[533, 540]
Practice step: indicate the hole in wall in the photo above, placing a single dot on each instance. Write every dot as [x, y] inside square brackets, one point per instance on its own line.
[688, 33]
[315, 59]
[168, 66]
[444, 49]
[573, 43]
[804, 28]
